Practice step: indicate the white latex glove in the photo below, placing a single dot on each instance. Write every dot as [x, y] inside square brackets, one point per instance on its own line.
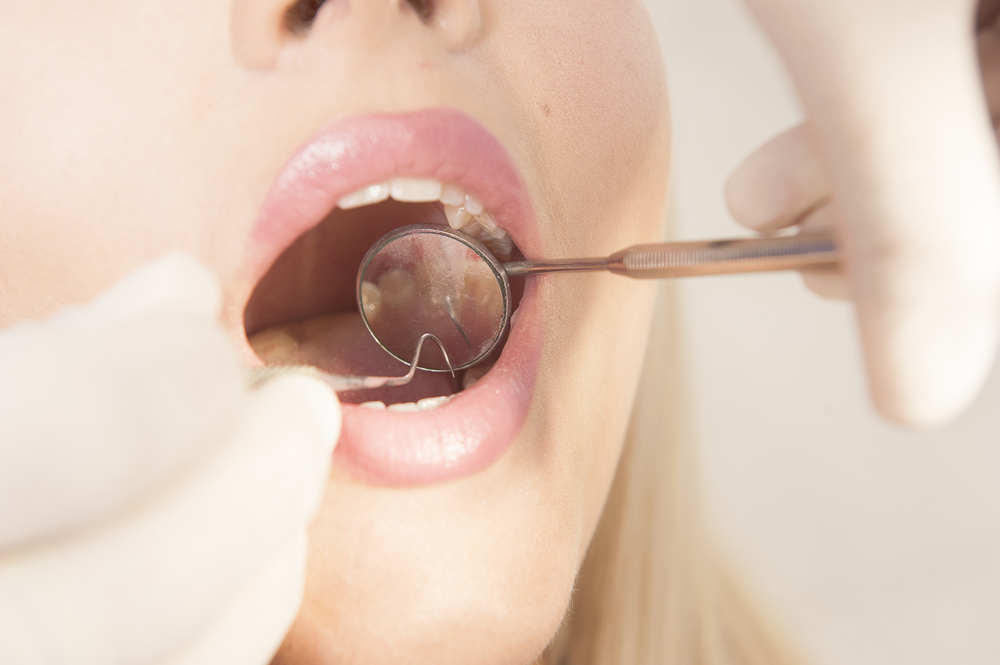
[152, 508]
[899, 154]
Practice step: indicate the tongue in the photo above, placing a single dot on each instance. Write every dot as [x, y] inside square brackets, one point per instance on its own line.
[340, 344]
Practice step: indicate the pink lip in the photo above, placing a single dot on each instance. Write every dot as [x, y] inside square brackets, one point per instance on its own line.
[479, 425]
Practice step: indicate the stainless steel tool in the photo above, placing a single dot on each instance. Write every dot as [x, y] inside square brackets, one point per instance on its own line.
[346, 382]
[431, 278]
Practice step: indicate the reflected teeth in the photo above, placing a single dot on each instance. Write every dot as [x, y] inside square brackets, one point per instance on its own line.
[464, 211]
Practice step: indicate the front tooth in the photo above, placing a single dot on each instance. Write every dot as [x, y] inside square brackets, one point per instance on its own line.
[414, 190]
[457, 216]
[428, 403]
[365, 196]
[452, 195]
[377, 405]
[405, 407]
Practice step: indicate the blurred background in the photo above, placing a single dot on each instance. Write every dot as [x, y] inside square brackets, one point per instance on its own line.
[873, 544]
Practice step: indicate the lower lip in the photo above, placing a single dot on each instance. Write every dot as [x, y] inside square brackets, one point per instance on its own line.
[463, 437]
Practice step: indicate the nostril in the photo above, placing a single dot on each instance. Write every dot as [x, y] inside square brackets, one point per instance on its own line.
[422, 7]
[300, 16]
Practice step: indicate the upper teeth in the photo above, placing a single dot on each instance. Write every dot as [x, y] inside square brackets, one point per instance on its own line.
[464, 211]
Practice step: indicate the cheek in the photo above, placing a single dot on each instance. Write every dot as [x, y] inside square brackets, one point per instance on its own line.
[593, 81]
[96, 172]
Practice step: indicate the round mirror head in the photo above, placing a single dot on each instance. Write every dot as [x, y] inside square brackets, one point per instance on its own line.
[427, 278]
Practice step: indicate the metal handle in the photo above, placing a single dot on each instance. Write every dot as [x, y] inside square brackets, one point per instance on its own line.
[689, 259]
[720, 257]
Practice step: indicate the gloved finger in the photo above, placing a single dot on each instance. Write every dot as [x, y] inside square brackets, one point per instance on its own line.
[895, 97]
[826, 283]
[779, 183]
[174, 280]
[251, 627]
[140, 589]
[104, 403]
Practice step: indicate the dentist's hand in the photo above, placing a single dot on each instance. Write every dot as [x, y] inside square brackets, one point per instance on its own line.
[899, 154]
[152, 509]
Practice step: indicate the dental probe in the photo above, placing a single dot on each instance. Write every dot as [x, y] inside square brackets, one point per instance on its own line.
[344, 382]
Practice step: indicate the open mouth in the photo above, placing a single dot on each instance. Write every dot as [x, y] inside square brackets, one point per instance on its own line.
[303, 311]
[352, 183]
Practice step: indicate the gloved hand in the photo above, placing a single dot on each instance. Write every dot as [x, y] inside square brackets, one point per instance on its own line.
[152, 508]
[899, 154]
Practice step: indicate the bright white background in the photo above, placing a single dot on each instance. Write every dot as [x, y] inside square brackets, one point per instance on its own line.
[876, 545]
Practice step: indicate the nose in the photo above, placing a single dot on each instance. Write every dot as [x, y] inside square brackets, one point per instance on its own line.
[262, 29]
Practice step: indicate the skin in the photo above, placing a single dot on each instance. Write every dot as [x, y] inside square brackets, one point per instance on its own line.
[133, 129]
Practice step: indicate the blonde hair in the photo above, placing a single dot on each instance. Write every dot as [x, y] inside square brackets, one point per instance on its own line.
[653, 589]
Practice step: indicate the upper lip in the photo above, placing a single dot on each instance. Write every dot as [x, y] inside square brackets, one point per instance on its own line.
[447, 145]
[444, 144]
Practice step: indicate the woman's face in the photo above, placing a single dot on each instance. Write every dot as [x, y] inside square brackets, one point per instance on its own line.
[222, 129]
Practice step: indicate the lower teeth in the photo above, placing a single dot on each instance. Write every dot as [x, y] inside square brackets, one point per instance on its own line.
[426, 404]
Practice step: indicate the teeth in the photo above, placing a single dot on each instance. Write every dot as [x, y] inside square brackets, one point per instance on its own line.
[365, 196]
[464, 211]
[498, 242]
[426, 404]
[473, 205]
[371, 300]
[414, 190]
[452, 195]
[470, 217]
[378, 406]
[489, 224]
[458, 216]
[473, 374]
[513, 317]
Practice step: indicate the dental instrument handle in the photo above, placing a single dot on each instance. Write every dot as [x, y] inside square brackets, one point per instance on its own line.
[689, 259]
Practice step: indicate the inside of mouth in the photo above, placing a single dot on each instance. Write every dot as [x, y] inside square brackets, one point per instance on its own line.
[304, 310]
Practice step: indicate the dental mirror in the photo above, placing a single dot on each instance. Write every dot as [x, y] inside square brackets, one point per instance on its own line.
[428, 278]
[438, 279]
